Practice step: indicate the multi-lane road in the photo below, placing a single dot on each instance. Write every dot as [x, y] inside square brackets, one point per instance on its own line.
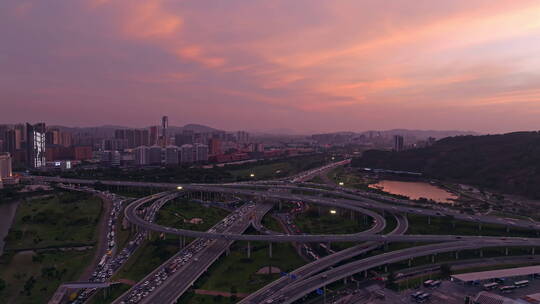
[321, 264]
[211, 244]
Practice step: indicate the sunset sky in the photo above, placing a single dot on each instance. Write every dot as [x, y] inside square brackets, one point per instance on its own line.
[304, 65]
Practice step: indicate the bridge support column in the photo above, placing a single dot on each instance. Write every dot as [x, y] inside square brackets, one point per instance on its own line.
[506, 251]
[481, 253]
[352, 215]
[429, 220]
[249, 250]
[507, 229]
[479, 226]
[270, 250]
[385, 268]
[227, 251]
[433, 259]
[319, 208]
[410, 263]
[385, 246]
[280, 205]
[345, 280]
[365, 274]
[457, 255]
[532, 251]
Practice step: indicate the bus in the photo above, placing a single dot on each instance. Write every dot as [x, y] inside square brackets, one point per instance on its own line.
[490, 286]
[507, 289]
[520, 284]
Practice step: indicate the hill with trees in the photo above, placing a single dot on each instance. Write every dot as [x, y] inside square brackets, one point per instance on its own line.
[509, 162]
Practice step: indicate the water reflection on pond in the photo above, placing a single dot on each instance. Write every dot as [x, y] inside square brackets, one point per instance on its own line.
[415, 190]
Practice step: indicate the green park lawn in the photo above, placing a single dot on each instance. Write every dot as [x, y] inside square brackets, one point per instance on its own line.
[61, 219]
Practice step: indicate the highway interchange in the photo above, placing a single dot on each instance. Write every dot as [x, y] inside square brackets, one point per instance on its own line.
[318, 273]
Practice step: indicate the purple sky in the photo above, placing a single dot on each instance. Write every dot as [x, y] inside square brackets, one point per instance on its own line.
[305, 65]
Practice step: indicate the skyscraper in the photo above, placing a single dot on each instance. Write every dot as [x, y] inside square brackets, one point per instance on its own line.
[154, 135]
[398, 143]
[35, 145]
[164, 135]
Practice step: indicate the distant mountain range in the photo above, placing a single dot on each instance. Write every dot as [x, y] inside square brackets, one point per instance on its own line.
[108, 131]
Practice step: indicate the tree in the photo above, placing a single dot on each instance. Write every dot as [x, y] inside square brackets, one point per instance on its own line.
[2, 285]
[391, 280]
[446, 270]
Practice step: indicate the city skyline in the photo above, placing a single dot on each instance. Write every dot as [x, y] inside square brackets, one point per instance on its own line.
[305, 66]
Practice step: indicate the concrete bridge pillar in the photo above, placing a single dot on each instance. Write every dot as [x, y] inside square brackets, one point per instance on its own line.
[227, 251]
[433, 259]
[506, 251]
[270, 250]
[457, 255]
[481, 253]
[385, 246]
[532, 251]
[410, 263]
[479, 226]
[429, 220]
[507, 229]
[345, 280]
[352, 215]
[385, 268]
[365, 273]
[280, 205]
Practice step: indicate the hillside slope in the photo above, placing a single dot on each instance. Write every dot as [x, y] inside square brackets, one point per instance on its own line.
[508, 162]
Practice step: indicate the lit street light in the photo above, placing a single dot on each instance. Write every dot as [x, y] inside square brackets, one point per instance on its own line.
[179, 187]
[252, 175]
[341, 183]
[333, 211]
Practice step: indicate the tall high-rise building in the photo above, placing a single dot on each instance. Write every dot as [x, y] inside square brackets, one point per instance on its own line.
[398, 143]
[155, 155]
[187, 154]
[242, 137]
[201, 153]
[5, 166]
[171, 155]
[164, 127]
[141, 155]
[214, 146]
[154, 136]
[35, 145]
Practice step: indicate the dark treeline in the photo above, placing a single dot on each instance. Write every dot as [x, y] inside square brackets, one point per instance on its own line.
[509, 162]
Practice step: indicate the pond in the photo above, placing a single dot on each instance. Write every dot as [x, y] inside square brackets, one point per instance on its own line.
[415, 190]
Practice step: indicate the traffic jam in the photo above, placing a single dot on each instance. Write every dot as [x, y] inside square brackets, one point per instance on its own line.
[185, 256]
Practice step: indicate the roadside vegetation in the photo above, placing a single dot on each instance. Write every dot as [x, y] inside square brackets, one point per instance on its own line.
[51, 241]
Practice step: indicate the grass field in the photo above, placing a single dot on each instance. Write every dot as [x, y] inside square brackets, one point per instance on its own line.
[61, 219]
[276, 169]
[326, 223]
[176, 212]
[33, 278]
